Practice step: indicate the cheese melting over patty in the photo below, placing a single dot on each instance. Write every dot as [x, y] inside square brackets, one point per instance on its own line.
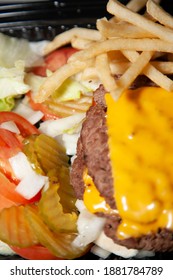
[140, 131]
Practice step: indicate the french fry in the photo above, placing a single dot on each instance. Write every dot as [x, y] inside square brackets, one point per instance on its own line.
[89, 74]
[145, 44]
[67, 36]
[131, 74]
[80, 43]
[104, 72]
[165, 67]
[136, 5]
[129, 44]
[122, 29]
[151, 72]
[158, 78]
[58, 77]
[123, 13]
[159, 14]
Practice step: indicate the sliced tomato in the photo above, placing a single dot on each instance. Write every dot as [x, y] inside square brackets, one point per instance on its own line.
[7, 189]
[54, 60]
[36, 252]
[9, 146]
[8, 139]
[25, 127]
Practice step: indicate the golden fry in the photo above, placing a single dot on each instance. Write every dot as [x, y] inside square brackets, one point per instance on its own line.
[122, 12]
[159, 14]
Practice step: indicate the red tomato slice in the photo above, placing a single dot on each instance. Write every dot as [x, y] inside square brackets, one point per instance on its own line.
[54, 60]
[9, 146]
[36, 252]
[7, 189]
[25, 127]
[9, 139]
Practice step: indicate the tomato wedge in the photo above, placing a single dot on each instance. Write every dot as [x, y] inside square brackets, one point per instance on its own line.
[54, 60]
[7, 189]
[9, 146]
[25, 127]
[36, 252]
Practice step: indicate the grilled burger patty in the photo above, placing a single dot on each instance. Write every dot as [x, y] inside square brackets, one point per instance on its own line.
[93, 154]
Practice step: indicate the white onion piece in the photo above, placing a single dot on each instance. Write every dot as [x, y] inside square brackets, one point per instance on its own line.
[59, 126]
[96, 250]
[80, 205]
[69, 142]
[20, 165]
[5, 249]
[30, 185]
[31, 115]
[107, 243]
[89, 228]
[11, 126]
[31, 182]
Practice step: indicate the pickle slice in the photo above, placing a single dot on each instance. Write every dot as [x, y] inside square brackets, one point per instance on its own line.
[51, 210]
[50, 153]
[29, 150]
[15, 229]
[59, 244]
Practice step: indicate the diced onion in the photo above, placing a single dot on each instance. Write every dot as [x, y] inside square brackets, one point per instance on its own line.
[80, 205]
[31, 182]
[5, 249]
[11, 126]
[69, 142]
[96, 250]
[30, 185]
[89, 228]
[107, 243]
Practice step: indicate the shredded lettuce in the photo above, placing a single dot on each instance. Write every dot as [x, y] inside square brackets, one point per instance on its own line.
[34, 81]
[7, 103]
[69, 90]
[13, 49]
[12, 81]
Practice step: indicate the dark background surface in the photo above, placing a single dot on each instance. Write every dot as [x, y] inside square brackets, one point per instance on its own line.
[43, 20]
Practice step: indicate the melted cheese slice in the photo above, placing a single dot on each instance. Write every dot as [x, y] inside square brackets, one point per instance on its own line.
[93, 201]
[140, 130]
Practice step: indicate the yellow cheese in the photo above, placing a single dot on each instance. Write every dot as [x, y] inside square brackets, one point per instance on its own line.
[140, 130]
[93, 201]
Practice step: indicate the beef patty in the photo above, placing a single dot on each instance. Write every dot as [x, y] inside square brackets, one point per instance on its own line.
[93, 154]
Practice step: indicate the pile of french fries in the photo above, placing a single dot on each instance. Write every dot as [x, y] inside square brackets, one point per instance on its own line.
[128, 44]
